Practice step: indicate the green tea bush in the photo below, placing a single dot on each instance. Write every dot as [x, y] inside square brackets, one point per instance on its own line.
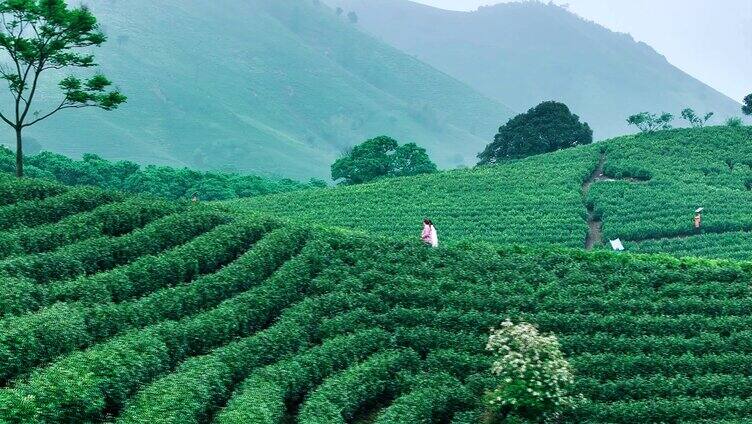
[29, 213]
[13, 190]
[32, 339]
[102, 253]
[109, 220]
[204, 315]
[263, 396]
[430, 398]
[337, 400]
[534, 377]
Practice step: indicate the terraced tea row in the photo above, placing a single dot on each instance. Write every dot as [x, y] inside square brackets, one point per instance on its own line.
[533, 201]
[687, 169]
[650, 188]
[188, 314]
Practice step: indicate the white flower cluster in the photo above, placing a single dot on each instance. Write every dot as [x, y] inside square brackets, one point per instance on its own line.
[532, 370]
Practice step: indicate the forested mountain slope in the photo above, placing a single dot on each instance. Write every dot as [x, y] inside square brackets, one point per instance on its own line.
[134, 310]
[521, 53]
[263, 86]
[640, 188]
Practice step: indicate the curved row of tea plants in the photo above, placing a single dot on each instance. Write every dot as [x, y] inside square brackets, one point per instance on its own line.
[532, 201]
[199, 315]
[651, 186]
[685, 169]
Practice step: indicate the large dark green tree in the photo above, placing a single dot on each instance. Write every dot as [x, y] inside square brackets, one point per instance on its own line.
[381, 157]
[545, 128]
[40, 37]
[747, 108]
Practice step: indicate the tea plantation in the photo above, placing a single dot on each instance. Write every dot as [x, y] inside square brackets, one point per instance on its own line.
[646, 195]
[136, 310]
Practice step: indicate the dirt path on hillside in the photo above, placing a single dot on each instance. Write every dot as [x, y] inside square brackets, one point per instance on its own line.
[595, 225]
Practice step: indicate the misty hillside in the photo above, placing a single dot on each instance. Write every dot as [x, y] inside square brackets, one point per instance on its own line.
[263, 86]
[524, 53]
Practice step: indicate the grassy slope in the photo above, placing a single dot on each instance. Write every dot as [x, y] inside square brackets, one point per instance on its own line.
[200, 316]
[538, 200]
[523, 53]
[263, 86]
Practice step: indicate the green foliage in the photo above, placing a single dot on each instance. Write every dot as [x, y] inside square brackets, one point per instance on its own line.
[734, 122]
[33, 339]
[163, 181]
[431, 399]
[695, 121]
[206, 316]
[649, 122]
[337, 399]
[12, 192]
[43, 35]
[263, 395]
[535, 200]
[113, 219]
[411, 159]
[650, 187]
[381, 157]
[548, 127]
[688, 169]
[102, 253]
[747, 107]
[30, 213]
[534, 377]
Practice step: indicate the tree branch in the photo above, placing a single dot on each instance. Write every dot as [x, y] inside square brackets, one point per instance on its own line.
[62, 106]
[54, 111]
[7, 121]
[31, 93]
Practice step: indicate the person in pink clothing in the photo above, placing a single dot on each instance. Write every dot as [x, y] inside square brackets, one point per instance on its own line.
[429, 235]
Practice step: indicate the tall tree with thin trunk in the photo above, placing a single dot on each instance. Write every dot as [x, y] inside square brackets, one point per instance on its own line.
[41, 37]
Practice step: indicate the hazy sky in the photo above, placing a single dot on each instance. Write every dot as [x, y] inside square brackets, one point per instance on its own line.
[709, 39]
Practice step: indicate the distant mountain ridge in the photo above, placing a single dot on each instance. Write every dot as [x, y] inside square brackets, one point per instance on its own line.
[263, 86]
[526, 52]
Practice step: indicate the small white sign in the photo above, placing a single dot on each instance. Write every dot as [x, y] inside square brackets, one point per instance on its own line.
[617, 245]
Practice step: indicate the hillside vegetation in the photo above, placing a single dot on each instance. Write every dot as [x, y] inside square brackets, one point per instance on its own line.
[647, 190]
[263, 86]
[163, 181]
[168, 312]
[524, 52]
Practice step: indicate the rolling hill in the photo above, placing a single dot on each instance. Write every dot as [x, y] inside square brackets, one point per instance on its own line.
[641, 188]
[263, 86]
[157, 311]
[522, 53]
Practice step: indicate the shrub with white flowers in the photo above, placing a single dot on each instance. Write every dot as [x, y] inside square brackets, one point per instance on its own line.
[534, 377]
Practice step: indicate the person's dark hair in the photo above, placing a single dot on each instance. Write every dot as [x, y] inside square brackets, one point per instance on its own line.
[428, 222]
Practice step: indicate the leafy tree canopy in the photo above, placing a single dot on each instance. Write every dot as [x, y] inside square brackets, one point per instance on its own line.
[650, 122]
[747, 108]
[47, 35]
[696, 121]
[545, 128]
[173, 183]
[381, 157]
